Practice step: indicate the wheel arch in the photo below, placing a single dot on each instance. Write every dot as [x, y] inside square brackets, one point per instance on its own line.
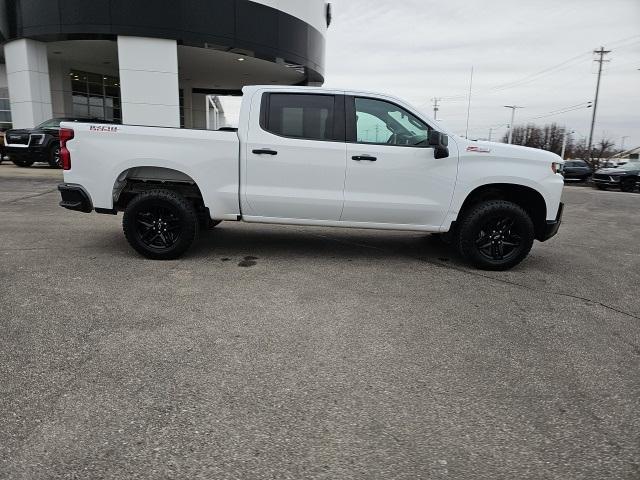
[138, 179]
[526, 197]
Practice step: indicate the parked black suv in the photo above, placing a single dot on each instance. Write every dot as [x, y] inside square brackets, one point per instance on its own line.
[626, 177]
[40, 144]
[576, 170]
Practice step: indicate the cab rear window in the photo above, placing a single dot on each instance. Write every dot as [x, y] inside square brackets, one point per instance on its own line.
[302, 116]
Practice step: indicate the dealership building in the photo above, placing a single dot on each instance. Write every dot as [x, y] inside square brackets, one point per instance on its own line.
[151, 62]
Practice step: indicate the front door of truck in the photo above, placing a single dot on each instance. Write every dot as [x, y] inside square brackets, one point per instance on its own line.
[295, 157]
[393, 176]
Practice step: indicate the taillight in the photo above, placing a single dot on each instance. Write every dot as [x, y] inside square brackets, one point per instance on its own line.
[66, 134]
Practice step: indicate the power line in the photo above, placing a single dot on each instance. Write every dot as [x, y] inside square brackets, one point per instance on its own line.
[524, 80]
[559, 111]
[541, 73]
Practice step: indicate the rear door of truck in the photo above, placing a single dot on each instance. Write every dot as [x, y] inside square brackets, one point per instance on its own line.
[295, 156]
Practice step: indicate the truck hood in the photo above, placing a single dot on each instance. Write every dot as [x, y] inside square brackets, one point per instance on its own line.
[515, 152]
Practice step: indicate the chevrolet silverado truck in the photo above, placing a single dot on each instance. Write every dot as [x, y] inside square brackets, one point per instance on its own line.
[316, 157]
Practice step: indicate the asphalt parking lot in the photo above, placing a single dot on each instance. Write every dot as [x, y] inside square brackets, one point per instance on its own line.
[290, 352]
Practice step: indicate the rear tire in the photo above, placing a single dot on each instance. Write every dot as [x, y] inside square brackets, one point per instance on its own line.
[495, 235]
[160, 224]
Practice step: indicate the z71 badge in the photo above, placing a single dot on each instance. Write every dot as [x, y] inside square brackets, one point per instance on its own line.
[103, 128]
[478, 149]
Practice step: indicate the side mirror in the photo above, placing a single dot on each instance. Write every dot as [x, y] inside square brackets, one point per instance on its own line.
[440, 142]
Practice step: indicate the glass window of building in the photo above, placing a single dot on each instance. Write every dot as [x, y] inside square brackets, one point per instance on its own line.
[96, 96]
[5, 109]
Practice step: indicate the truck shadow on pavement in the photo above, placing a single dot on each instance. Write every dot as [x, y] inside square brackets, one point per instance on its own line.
[300, 244]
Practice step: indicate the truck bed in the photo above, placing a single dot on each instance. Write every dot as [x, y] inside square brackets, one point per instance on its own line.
[103, 156]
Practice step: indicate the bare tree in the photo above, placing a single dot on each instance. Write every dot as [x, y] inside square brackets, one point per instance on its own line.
[550, 137]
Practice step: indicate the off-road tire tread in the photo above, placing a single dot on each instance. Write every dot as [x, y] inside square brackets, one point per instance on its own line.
[465, 239]
[191, 227]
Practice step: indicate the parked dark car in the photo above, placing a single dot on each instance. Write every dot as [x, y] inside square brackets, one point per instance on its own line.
[576, 170]
[2, 147]
[625, 177]
[40, 144]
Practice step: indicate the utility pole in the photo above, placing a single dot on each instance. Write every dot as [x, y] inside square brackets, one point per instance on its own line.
[435, 107]
[490, 133]
[602, 52]
[513, 114]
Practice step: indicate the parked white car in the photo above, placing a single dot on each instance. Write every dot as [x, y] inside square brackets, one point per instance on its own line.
[317, 157]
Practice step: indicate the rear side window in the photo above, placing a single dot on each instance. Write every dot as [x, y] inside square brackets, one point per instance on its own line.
[309, 117]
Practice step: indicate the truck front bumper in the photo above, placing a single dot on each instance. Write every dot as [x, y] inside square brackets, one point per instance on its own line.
[75, 197]
[551, 229]
[32, 153]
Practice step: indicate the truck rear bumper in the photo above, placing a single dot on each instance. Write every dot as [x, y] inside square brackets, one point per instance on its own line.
[552, 227]
[75, 197]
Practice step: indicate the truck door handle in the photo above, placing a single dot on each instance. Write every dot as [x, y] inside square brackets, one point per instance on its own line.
[265, 151]
[367, 158]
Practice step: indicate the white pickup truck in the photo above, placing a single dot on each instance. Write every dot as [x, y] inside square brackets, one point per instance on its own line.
[318, 157]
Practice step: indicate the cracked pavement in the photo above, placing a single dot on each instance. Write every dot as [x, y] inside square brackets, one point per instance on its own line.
[290, 352]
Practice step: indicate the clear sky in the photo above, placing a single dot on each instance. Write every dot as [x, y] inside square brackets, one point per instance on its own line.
[532, 53]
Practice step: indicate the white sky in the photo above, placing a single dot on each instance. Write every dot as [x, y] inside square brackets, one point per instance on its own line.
[420, 49]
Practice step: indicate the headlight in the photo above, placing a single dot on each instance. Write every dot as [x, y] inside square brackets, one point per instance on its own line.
[36, 139]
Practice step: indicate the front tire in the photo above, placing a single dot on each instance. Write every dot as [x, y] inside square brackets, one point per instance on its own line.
[54, 157]
[22, 163]
[628, 185]
[160, 224]
[495, 235]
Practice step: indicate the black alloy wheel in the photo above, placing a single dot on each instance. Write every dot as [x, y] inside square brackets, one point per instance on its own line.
[158, 227]
[160, 224]
[495, 235]
[54, 157]
[499, 239]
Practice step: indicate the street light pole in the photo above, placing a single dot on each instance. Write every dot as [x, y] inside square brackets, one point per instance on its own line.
[623, 139]
[513, 114]
[466, 133]
[436, 107]
[564, 142]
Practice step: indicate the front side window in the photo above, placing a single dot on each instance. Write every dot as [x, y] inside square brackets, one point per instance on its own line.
[381, 122]
[309, 117]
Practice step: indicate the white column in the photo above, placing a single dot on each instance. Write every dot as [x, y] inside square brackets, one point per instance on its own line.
[149, 81]
[28, 81]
